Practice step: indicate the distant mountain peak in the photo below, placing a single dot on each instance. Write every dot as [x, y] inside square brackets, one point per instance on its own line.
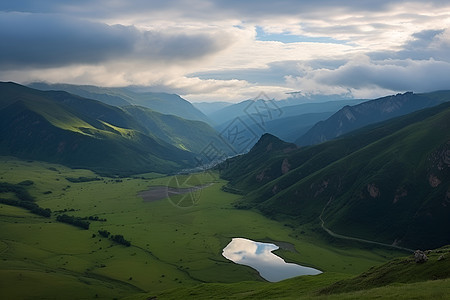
[350, 118]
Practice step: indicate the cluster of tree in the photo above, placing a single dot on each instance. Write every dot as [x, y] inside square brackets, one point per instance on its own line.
[72, 220]
[26, 183]
[232, 190]
[31, 206]
[82, 179]
[25, 200]
[65, 210]
[17, 189]
[118, 238]
[104, 233]
[94, 218]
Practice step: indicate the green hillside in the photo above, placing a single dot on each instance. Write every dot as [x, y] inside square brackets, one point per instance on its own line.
[401, 278]
[60, 127]
[193, 136]
[387, 183]
[175, 253]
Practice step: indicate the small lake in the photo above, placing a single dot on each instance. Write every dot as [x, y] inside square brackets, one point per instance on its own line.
[259, 256]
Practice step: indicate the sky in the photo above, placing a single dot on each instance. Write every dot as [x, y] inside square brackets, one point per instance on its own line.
[228, 50]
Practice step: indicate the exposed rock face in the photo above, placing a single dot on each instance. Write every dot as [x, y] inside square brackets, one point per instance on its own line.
[434, 181]
[373, 190]
[260, 176]
[285, 166]
[420, 256]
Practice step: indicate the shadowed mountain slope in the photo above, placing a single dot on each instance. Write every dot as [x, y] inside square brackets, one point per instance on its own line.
[351, 118]
[389, 182]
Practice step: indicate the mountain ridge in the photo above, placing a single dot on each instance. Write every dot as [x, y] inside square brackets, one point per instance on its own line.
[350, 118]
[161, 102]
[57, 126]
[379, 182]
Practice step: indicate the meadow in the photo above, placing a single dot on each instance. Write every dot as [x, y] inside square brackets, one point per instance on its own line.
[174, 244]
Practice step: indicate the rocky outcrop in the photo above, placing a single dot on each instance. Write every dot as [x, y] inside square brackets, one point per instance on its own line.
[373, 190]
[420, 256]
[285, 166]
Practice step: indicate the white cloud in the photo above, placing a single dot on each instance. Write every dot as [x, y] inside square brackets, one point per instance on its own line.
[209, 50]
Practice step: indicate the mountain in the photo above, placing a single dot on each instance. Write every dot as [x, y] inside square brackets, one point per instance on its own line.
[251, 119]
[249, 109]
[59, 127]
[389, 182]
[290, 128]
[193, 136]
[210, 107]
[161, 102]
[353, 117]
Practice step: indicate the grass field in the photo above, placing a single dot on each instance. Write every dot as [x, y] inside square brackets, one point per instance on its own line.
[172, 247]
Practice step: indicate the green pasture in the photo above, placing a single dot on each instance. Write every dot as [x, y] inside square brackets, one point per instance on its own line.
[172, 247]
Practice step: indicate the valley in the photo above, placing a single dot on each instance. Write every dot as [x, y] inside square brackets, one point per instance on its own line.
[168, 150]
[171, 247]
[124, 202]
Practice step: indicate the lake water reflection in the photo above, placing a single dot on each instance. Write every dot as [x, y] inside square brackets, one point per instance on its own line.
[260, 257]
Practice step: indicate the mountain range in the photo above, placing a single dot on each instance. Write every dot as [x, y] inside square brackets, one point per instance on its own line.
[353, 117]
[388, 182]
[164, 103]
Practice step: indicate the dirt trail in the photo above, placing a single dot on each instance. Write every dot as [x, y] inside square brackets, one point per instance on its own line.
[340, 236]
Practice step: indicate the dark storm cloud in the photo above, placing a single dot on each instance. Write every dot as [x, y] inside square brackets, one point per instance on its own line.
[46, 40]
[51, 40]
[249, 9]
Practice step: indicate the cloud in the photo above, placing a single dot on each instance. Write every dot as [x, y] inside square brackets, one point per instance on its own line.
[229, 50]
[363, 77]
[38, 40]
[407, 75]
[423, 45]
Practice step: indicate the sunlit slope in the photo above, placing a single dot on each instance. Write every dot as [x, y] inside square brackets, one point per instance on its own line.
[60, 127]
[194, 136]
[387, 183]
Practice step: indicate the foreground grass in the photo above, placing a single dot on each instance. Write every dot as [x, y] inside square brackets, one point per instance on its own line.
[172, 247]
[306, 288]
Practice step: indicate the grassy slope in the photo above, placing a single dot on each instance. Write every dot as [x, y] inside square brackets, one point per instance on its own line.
[401, 270]
[190, 135]
[171, 247]
[60, 127]
[401, 278]
[396, 156]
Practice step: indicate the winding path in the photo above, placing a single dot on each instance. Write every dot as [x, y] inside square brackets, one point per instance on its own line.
[340, 236]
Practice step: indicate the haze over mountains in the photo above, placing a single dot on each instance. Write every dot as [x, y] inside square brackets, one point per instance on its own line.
[354, 117]
[161, 102]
